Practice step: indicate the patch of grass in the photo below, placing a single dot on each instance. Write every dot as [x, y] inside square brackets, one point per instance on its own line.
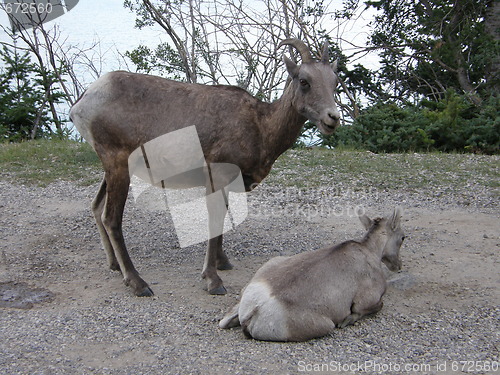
[41, 162]
[362, 169]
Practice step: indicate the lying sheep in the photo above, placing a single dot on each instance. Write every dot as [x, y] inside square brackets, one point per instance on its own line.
[300, 297]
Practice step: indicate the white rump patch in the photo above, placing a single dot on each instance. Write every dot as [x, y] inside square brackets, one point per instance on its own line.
[264, 315]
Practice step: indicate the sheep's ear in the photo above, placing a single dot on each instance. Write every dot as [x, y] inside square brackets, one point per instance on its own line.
[325, 56]
[366, 221]
[395, 219]
[335, 65]
[293, 69]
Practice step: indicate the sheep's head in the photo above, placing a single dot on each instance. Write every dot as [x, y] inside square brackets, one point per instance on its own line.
[314, 84]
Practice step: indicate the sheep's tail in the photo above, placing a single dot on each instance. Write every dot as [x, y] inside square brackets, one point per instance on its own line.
[231, 319]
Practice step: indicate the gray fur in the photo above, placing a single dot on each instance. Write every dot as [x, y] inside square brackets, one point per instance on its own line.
[307, 295]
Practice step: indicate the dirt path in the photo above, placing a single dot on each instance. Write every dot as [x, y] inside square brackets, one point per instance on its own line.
[441, 310]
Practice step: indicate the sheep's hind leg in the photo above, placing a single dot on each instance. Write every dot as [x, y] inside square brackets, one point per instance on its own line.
[98, 208]
[117, 184]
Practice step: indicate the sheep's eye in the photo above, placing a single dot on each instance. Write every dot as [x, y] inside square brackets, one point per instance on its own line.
[304, 83]
[403, 238]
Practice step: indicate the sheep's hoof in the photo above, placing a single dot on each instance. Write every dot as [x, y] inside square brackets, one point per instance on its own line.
[140, 287]
[145, 292]
[114, 266]
[220, 291]
[350, 320]
[225, 267]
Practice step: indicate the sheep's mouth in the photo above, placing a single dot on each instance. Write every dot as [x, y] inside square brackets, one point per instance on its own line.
[394, 265]
[328, 129]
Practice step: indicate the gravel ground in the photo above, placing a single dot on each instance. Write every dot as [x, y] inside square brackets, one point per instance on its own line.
[63, 312]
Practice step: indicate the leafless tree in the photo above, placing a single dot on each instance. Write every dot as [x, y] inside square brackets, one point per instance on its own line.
[59, 63]
[233, 41]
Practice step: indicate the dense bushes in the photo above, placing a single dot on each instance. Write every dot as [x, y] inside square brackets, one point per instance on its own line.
[27, 99]
[452, 124]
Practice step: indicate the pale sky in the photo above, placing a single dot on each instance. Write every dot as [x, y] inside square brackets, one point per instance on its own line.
[113, 25]
[108, 22]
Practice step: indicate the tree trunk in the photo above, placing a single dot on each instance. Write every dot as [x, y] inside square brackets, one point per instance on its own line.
[38, 118]
[492, 26]
[465, 84]
[461, 62]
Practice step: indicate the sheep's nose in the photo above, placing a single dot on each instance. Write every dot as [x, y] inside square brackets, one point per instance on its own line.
[334, 115]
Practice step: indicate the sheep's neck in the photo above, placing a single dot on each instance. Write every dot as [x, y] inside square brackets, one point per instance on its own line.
[282, 126]
[375, 241]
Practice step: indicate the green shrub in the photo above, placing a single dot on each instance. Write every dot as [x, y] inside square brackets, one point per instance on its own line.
[452, 124]
[385, 128]
[484, 129]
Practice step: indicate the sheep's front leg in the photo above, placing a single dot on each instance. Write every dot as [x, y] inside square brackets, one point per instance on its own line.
[222, 261]
[358, 312]
[215, 257]
[209, 273]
